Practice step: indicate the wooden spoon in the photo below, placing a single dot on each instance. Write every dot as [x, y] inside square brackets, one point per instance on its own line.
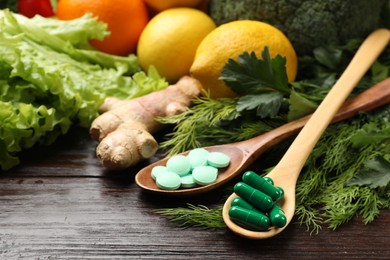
[286, 172]
[243, 153]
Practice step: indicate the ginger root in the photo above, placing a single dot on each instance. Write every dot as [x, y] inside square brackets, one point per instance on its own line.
[125, 128]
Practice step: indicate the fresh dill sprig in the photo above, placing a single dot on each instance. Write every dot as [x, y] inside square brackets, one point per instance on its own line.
[323, 184]
[309, 217]
[195, 216]
[206, 113]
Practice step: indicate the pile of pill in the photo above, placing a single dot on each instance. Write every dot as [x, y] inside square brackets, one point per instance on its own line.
[199, 167]
[256, 207]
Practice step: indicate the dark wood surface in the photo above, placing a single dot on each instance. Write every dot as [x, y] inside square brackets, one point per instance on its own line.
[59, 203]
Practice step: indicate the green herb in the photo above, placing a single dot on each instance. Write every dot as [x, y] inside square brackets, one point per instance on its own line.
[262, 83]
[203, 116]
[47, 84]
[249, 74]
[195, 216]
[375, 173]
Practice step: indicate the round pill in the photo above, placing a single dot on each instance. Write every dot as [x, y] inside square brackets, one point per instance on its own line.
[157, 170]
[188, 181]
[218, 159]
[179, 164]
[204, 175]
[197, 158]
[168, 181]
[198, 152]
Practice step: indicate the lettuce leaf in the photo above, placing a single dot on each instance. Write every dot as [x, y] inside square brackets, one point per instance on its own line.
[47, 84]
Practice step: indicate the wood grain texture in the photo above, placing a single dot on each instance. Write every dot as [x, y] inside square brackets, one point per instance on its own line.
[60, 204]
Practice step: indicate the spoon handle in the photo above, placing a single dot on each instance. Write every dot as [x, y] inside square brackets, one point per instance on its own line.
[296, 156]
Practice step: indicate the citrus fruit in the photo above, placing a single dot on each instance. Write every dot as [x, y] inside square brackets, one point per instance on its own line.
[160, 5]
[125, 20]
[229, 41]
[170, 39]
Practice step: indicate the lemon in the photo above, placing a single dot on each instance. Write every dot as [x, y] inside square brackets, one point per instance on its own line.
[169, 41]
[229, 41]
[160, 5]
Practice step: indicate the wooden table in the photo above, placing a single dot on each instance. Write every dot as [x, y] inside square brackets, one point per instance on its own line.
[61, 204]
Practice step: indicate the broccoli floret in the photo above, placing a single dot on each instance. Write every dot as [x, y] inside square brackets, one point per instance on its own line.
[307, 23]
[10, 4]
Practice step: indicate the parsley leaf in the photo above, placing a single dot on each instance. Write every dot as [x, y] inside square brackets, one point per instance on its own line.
[299, 106]
[376, 173]
[369, 134]
[266, 105]
[251, 75]
[262, 83]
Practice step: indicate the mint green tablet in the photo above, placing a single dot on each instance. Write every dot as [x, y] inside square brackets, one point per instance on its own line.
[205, 175]
[218, 159]
[157, 170]
[188, 181]
[198, 152]
[179, 164]
[168, 181]
[198, 157]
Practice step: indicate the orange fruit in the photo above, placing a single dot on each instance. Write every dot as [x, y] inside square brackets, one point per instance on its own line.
[230, 40]
[125, 20]
[160, 5]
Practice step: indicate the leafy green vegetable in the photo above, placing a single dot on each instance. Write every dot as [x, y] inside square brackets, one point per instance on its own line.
[261, 82]
[266, 104]
[376, 173]
[47, 84]
[10, 4]
[250, 75]
[54, 35]
[299, 106]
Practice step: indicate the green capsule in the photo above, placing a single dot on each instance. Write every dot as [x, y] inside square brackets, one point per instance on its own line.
[241, 203]
[281, 193]
[269, 180]
[258, 199]
[258, 182]
[277, 217]
[250, 219]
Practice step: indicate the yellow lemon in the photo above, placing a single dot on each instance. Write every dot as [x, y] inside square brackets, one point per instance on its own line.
[169, 41]
[229, 41]
[160, 5]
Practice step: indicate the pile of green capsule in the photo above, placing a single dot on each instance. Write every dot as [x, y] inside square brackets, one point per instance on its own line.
[198, 168]
[256, 207]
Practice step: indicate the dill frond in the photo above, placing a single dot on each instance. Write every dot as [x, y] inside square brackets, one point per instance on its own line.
[309, 217]
[195, 216]
[190, 125]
